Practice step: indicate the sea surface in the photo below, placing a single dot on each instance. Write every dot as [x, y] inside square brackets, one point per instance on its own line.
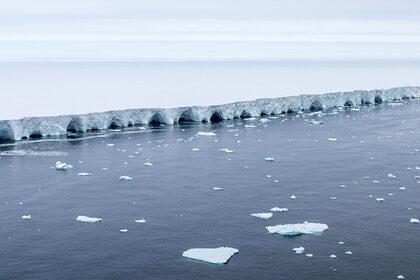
[376, 155]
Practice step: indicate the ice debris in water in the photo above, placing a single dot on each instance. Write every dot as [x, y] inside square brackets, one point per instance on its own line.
[293, 196]
[390, 175]
[333, 256]
[332, 139]
[299, 250]
[218, 189]
[219, 255]
[263, 215]
[316, 122]
[400, 277]
[380, 199]
[125, 178]
[124, 230]
[87, 219]
[62, 166]
[414, 221]
[148, 164]
[201, 133]
[26, 217]
[84, 174]
[140, 221]
[277, 209]
[297, 229]
[269, 159]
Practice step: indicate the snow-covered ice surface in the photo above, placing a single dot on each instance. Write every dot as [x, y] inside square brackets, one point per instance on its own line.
[180, 199]
[87, 219]
[219, 255]
[61, 125]
[297, 229]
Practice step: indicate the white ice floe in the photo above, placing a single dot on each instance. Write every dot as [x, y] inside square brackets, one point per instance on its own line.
[140, 221]
[314, 122]
[299, 250]
[380, 199]
[309, 255]
[297, 229]
[125, 178]
[148, 164]
[124, 230]
[26, 217]
[333, 256]
[400, 277]
[110, 145]
[62, 166]
[269, 159]
[87, 219]
[277, 209]
[201, 133]
[332, 139]
[348, 252]
[292, 196]
[414, 221]
[84, 174]
[195, 149]
[228, 151]
[219, 255]
[390, 175]
[218, 189]
[262, 215]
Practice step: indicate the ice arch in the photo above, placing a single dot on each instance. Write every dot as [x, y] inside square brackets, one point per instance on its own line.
[116, 123]
[156, 120]
[216, 117]
[35, 135]
[378, 99]
[6, 132]
[316, 106]
[348, 103]
[245, 114]
[75, 125]
[186, 116]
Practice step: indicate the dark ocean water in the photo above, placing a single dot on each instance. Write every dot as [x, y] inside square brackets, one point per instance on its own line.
[182, 211]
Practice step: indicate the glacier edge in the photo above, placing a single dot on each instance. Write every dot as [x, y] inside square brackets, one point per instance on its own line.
[59, 125]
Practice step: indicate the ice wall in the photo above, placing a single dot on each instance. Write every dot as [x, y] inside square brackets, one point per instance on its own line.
[60, 125]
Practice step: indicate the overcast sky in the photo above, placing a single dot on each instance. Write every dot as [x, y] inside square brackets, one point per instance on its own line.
[343, 36]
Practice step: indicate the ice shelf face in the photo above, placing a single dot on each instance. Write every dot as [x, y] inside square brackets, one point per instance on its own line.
[60, 125]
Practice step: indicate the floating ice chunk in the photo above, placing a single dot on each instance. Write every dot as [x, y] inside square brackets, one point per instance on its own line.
[250, 126]
[299, 250]
[226, 150]
[26, 217]
[263, 215]
[269, 159]
[195, 149]
[250, 119]
[277, 209]
[110, 145]
[62, 166]
[84, 174]
[87, 219]
[124, 230]
[400, 277]
[332, 139]
[316, 122]
[264, 120]
[309, 255]
[401, 188]
[349, 253]
[218, 189]
[292, 196]
[140, 221]
[390, 175]
[201, 133]
[105, 169]
[380, 199]
[414, 221]
[297, 229]
[148, 164]
[333, 256]
[125, 178]
[219, 255]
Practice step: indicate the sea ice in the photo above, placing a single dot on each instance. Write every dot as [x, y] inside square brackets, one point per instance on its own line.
[400, 277]
[88, 219]
[140, 221]
[263, 215]
[219, 255]
[201, 133]
[26, 217]
[62, 166]
[277, 209]
[218, 189]
[414, 221]
[123, 230]
[332, 139]
[125, 178]
[148, 164]
[84, 174]
[269, 159]
[299, 250]
[297, 229]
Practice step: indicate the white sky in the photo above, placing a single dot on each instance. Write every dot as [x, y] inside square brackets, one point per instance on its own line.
[284, 30]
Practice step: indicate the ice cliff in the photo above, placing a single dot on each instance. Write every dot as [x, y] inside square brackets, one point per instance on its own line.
[61, 125]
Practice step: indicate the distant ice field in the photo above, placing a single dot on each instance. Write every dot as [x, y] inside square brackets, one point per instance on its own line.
[196, 185]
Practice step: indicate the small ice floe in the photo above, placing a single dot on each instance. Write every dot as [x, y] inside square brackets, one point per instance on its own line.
[343, 186]
[390, 175]
[292, 196]
[341, 242]
[202, 133]
[250, 126]
[219, 255]
[218, 189]
[314, 122]
[124, 230]
[105, 169]
[400, 277]
[195, 149]
[140, 221]
[401, 188]
[110, 145]
[264, 120]
[228, 151]
[148, 164]
[87, 219]
[333, 256]
[348, 252]
[277, 209]
[125, 178]
[26, 217]
[84, 174]
[380, 199]
[250, 119]
[298, 229]
[309, 255]
[332, 139]
[62, 166]
[263, 215]
[333, 198]
[414, 221]
[299, 250]
[269, 159]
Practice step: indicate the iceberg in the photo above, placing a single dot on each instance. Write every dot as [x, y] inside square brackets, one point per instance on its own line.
[28, 127]
[62, 166]
[87, 219]
[297, 229]
[219, 255]
[412, 220]
[263, 215]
